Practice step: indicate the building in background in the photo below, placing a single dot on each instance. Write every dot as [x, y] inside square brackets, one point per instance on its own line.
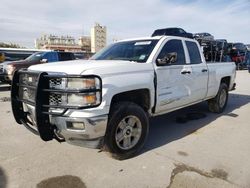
[62, 43]
[85, 43]
[98, 37]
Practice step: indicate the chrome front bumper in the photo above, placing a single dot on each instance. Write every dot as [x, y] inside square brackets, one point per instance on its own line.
[91, 136]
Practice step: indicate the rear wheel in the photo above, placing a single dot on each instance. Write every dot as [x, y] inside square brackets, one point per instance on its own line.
[219, 102]
[127, 130]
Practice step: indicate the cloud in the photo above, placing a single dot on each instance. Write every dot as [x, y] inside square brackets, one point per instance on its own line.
[23, 21]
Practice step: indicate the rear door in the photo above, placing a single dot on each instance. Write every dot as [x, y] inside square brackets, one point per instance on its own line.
[198, 76]
[173, 82]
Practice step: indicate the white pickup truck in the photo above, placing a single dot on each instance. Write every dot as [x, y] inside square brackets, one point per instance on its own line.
[107, 101]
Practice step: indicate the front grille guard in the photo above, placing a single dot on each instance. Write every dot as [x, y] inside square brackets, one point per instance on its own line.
[42, 106]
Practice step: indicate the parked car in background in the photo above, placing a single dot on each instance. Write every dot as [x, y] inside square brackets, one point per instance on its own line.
[2, 57]
[79, 55]
[238, 54]
[248, 47]
[216, 50]
[204, 36]
[172, 32]
[8, 68]
[16, 54]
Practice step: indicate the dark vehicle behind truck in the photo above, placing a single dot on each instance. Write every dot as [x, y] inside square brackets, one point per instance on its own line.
[7, 69]
[173, 31]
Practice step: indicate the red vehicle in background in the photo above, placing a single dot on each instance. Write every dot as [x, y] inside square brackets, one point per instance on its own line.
[238, 54]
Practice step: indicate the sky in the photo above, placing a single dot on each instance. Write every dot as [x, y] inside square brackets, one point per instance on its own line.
[21, 21]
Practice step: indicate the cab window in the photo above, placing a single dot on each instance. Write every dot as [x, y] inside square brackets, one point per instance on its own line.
[194, 53]
[173, 46]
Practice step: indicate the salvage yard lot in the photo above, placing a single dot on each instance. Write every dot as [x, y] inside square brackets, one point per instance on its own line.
[208, 152]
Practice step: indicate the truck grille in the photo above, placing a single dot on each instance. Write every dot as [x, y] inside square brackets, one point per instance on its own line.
[47, 93]
[27, 89]
[55, 83]
[55, 99]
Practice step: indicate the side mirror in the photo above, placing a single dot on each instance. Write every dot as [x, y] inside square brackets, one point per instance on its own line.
[44, 60]
[167, 59]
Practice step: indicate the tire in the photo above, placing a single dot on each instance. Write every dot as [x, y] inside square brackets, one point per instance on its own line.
[127, 130]
[219, 102]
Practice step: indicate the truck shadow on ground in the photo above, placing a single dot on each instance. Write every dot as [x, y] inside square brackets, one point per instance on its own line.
[3, 179]
[66, 181]
[166, 128]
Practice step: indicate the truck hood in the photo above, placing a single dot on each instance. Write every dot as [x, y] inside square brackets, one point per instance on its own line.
[10, 62]
[98, 67]
[17, 63]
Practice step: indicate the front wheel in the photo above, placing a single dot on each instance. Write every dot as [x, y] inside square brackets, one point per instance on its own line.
[219, 102]
[127, 130]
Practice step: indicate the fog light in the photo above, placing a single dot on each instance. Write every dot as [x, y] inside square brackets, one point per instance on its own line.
[76, 125]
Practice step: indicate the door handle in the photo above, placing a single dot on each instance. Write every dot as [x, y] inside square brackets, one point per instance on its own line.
[186, 72]
[204, 70]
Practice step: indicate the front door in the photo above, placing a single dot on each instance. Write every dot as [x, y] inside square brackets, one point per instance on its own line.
[173, 83]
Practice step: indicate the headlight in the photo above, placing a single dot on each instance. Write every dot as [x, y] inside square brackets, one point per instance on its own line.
[88, 98]
[83, 83]
[81, 92]
[26, 79]
[10, 69]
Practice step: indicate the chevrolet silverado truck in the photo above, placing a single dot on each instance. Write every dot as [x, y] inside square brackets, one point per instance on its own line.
[106, 101]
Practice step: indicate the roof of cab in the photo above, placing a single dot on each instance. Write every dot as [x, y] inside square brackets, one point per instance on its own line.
[142, 38]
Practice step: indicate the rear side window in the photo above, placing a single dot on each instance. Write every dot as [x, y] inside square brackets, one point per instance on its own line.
[194, 53]
[63, 56]
[173, 46]
[51, 56]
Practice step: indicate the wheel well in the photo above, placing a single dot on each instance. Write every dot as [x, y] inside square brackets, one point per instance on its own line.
[140, 97]
[226, 80]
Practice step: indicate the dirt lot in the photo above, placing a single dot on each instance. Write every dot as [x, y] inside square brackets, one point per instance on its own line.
[210, 152]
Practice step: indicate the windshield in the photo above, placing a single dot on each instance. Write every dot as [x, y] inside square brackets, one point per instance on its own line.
[35, 57]
[138, 51]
